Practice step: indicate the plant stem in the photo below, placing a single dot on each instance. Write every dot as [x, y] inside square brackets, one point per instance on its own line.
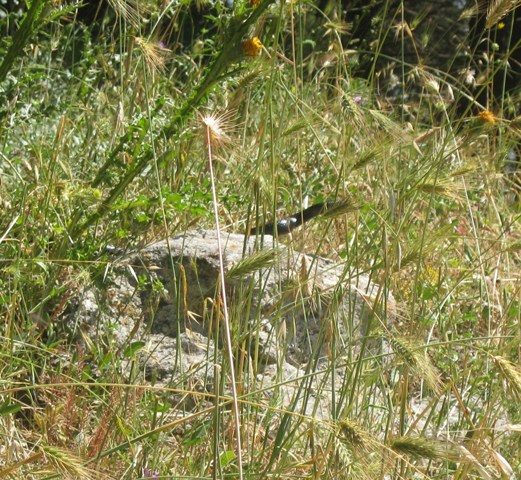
[230, 52]
[22, 36]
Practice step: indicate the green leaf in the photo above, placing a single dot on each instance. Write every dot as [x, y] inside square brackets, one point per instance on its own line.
[227, 457]
[8, 408]
[133, 348]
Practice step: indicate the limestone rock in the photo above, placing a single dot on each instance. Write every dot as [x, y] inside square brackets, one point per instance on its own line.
[287, 309]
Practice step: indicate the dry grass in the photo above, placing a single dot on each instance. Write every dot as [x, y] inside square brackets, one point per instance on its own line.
[107, 154]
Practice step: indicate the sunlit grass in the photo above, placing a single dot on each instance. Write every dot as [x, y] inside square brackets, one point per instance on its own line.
[116, 146]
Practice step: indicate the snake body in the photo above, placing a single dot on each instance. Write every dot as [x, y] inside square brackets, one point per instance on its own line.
[279, 228]
[288, 224]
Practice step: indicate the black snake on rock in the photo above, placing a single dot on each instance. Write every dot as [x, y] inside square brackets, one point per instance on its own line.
[283, 226]
[288, 224]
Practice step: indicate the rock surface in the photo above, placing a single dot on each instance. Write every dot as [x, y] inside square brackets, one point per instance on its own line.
[290, 312]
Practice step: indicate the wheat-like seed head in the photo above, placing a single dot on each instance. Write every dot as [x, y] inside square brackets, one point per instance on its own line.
[422, 447]
[216, 129]
[131, 10]
[417, 359]
[499, 9]
[154, 54]
[511, 374]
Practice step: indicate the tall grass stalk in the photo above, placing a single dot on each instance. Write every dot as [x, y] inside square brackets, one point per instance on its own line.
[210, 138]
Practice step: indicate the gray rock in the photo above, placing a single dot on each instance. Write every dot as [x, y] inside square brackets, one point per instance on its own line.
[286, 310]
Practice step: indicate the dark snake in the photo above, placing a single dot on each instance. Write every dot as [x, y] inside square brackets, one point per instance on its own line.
[288, 224]
[278, 228]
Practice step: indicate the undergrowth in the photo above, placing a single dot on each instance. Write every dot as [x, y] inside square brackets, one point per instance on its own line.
[139, 128]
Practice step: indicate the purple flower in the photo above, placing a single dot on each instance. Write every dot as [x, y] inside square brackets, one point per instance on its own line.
[147, 473]
[358, 99]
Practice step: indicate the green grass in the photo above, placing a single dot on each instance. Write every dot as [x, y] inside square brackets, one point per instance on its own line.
[110, 138]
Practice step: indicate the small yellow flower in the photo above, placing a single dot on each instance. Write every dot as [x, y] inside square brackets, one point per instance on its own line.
[501, 25]
[488, 117]
[252, 47]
